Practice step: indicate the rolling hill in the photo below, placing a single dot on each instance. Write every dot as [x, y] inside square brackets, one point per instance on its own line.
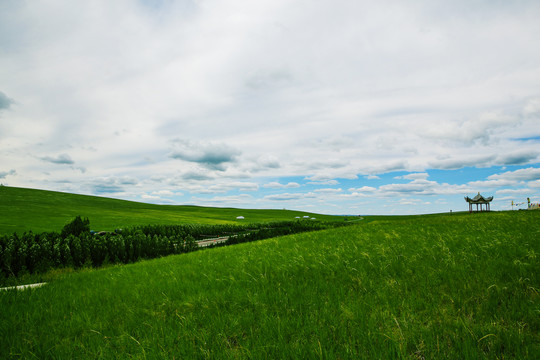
[23, 209]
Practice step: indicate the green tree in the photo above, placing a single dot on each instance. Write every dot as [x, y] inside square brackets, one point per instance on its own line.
[76, 227]
[190, 244]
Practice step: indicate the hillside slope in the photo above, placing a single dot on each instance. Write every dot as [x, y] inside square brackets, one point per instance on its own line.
[24, 209]
[428, 287]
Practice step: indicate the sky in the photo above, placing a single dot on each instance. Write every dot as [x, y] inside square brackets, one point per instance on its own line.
[326, 106]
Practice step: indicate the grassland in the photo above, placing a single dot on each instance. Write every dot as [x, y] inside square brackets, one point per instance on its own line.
[433, 287]
[40, 210]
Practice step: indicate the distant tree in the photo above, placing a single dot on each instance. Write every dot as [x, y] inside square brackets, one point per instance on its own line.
[190, 244]
[76, 227]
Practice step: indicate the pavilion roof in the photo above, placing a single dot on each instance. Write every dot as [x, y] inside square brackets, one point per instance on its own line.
[478, 199]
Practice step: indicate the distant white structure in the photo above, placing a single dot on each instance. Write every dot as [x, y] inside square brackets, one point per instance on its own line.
[239, 218]
[306, 217]
[297, 217]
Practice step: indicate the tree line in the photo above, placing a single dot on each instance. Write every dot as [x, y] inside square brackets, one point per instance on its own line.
[76, 246]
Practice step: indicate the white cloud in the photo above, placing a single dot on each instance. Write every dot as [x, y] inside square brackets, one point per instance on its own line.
[60, 159]
[363, 189]
[464, 161]
[513, 191]
[518, 157]
[195, 174]
[210, 155]
[518, 175]
[492, 183]
[106, 185]
[532, 108]
[290, 197]
[415, 186]
[321, 179]
[164, 193]
[4, 174]
[422, 187]
[277, 185]
[207, 187]
[242, 186]
[325, 92]
[469, 131]
[409, 201]
[150, 197]
[329, 191]
[268, 162]
[413, 176]
[233, 199]
[5, 102]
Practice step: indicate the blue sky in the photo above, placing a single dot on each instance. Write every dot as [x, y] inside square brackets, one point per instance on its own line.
[338, 107]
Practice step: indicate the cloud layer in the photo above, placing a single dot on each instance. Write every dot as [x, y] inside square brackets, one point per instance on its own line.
[293, 103]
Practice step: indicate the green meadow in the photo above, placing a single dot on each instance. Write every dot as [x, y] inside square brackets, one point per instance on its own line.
[461, 286]
[40, 211]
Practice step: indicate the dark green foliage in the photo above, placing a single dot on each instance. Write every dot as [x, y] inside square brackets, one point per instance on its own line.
[190, 244]
[77, 227]
[77, 247]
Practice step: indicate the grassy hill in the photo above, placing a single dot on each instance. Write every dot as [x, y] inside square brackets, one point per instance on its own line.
[433, 287]
[40, 210]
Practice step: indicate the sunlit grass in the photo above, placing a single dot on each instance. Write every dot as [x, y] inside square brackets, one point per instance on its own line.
[40, 211]
[450, 287]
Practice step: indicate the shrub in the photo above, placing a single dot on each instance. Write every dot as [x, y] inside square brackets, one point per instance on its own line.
[76, 227]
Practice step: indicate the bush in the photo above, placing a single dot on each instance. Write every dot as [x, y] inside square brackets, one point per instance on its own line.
[77, 227]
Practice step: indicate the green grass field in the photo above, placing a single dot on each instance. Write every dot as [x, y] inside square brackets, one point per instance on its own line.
[40, 210]
[420, 287]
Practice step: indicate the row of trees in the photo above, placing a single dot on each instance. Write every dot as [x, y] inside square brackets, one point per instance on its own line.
[75, 246]
[40, 252]
[198, 231]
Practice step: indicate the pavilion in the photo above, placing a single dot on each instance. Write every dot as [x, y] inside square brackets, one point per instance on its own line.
[479, 200]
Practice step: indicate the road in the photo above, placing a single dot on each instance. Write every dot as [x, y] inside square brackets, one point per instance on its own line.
[212, 241]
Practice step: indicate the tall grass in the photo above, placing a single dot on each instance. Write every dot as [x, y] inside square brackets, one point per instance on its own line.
[21, 256]
[411, 288]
